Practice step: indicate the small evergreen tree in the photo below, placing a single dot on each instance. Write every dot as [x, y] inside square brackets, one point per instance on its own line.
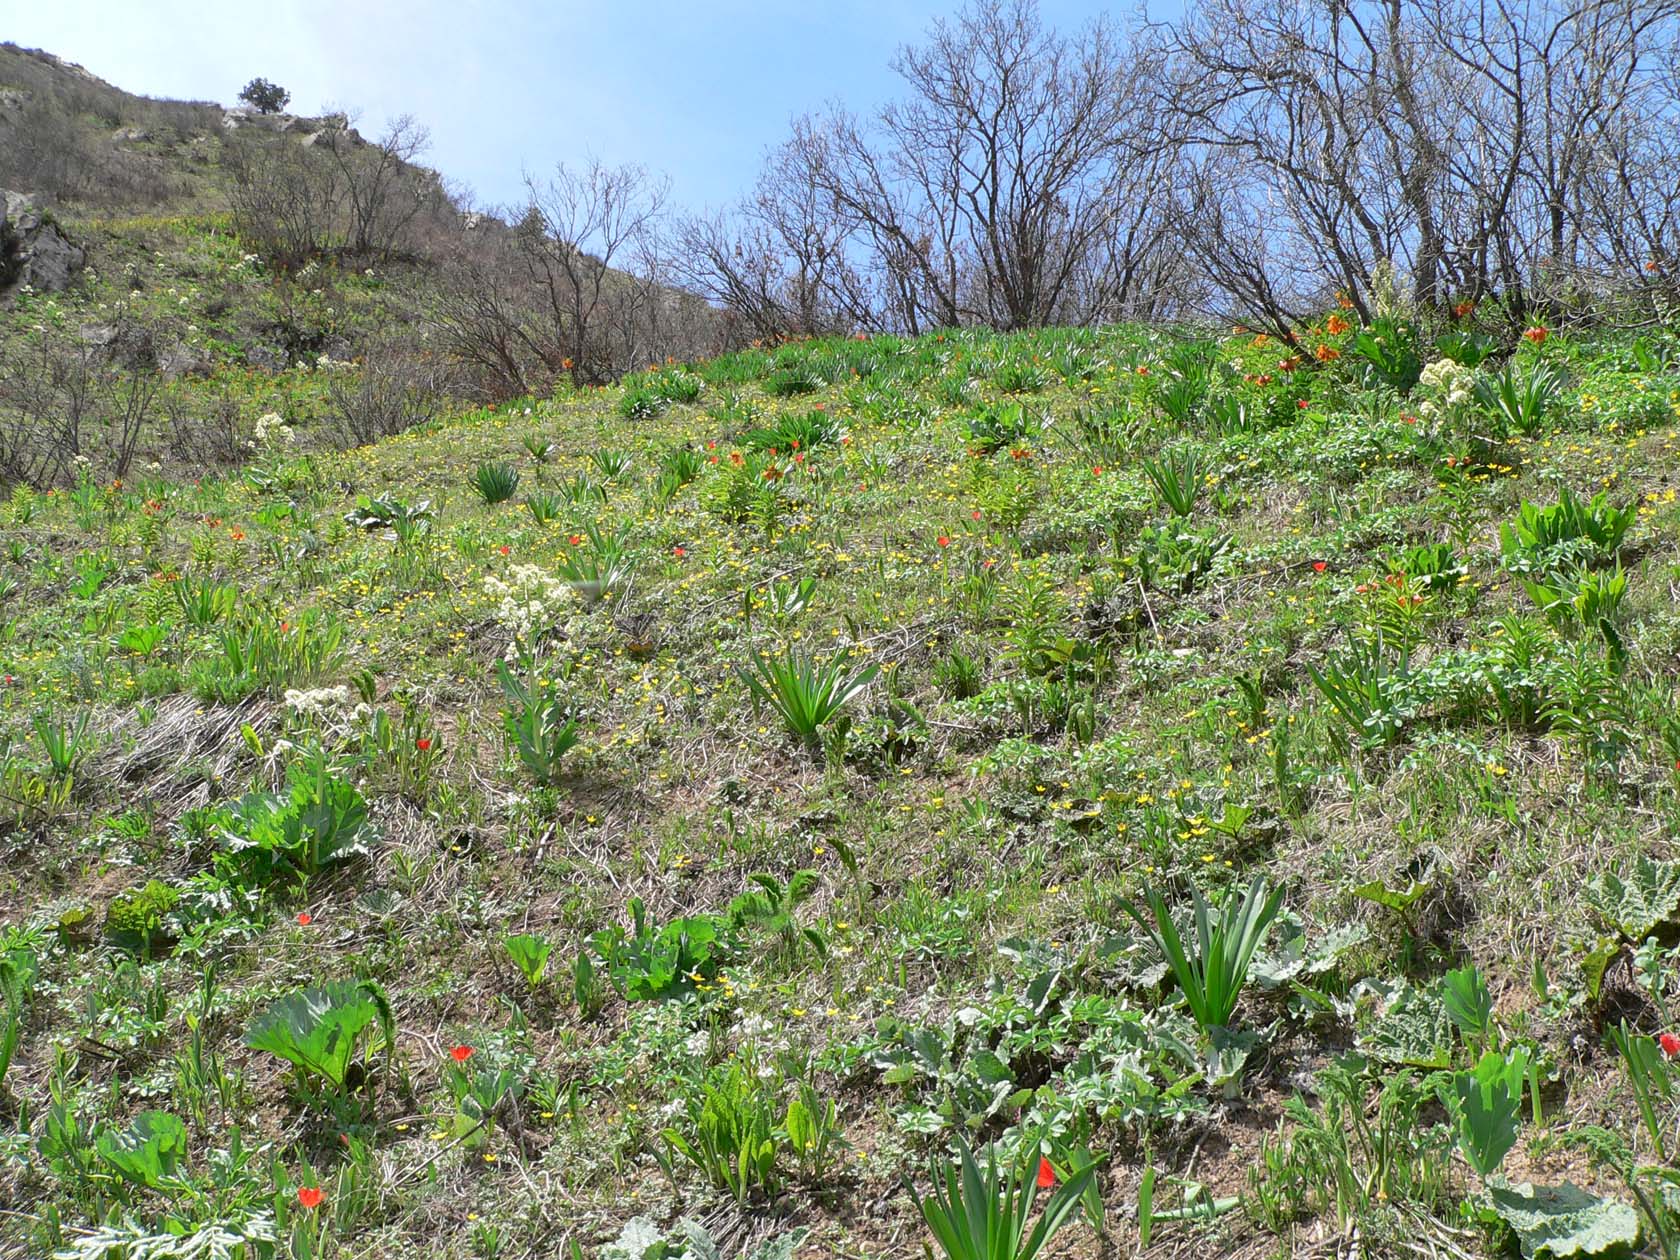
[265, 97]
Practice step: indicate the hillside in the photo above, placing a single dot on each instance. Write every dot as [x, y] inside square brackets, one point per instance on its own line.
[231, 264]
[481, 721]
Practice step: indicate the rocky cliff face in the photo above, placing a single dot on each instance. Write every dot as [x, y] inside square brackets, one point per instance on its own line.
[33, 251]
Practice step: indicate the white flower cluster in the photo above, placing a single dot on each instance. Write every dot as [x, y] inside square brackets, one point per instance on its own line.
[326, 703]
[271, 428]
[528, 601]
[1447, 388]
[334, 709]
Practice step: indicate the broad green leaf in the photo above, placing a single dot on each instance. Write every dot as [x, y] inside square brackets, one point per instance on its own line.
[148, 1151]
[1637, 905]
[530, 955]
[1415, 1030]
[1395, 899]
[1563, 1221]
[318, 1030]
[1468, 1002]
[1485, 1103]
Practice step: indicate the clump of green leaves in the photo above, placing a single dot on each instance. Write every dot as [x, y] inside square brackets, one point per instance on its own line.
[328, 1034]
[730, 1134]
[1212, 967]
[321, 819]
[539, 724]
[1177, 477]
[981, 1211]
[496, 482]
[806, 696]
[530, 955]
[650, 963]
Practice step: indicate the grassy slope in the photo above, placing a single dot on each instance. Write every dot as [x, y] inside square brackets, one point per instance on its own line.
[982, 826]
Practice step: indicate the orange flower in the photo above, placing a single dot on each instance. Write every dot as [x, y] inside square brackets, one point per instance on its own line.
[1463, 309]
[1324, 353]
[1335, 325]
[1537, 334]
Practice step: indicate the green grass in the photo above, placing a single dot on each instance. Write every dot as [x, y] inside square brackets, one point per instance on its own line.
[1074, 694]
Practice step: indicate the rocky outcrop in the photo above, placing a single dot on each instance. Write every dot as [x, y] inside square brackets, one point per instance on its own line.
[33, 251]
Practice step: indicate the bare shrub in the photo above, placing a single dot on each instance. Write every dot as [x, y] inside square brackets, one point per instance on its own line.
[63, 400]
[391, 392]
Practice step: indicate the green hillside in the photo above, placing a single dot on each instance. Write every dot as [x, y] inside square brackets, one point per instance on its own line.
[424, 850]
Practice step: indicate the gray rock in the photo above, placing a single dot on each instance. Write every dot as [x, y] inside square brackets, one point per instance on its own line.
[184, 360]
[32, 249]
[266, 357]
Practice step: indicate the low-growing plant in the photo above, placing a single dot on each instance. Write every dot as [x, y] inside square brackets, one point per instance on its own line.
[319, 820]
[259, 652]
[539, 724]
[136, 920]
[1388, 347]
[149, 1152]
[650, 963]
[496, 482]
[641, 402]
[1212, 967]
[203, 603]
[613, 465]
[1177, 477]
[1369, 689]
[1466, 347]
[530, 955]
[812, 1126]
[18, 968]
[730, 1134]
[1006, 426]
[1519, 398]
[328, 1034]
[806, 695]
[544, 506]
[773, 907]
[404, 520]
[1565, 534]
[64, 746]
[805, 431]
[599, 567]
[982, 1212]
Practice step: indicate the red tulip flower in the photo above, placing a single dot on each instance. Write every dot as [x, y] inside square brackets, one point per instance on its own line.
[1670, 1044]
[423, 743]
[461, 1053]
[1046, 1174]
[1319, 566]
[944, 541]
[309, 1196]
[305, 919]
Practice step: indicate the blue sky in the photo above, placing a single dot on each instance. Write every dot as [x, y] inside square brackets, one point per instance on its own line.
[695, 90]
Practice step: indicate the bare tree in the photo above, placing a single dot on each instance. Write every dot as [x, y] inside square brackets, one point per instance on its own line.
[382, 188]
[576, 229]
[1503, 147]
[1017, 182]
[286, 197]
